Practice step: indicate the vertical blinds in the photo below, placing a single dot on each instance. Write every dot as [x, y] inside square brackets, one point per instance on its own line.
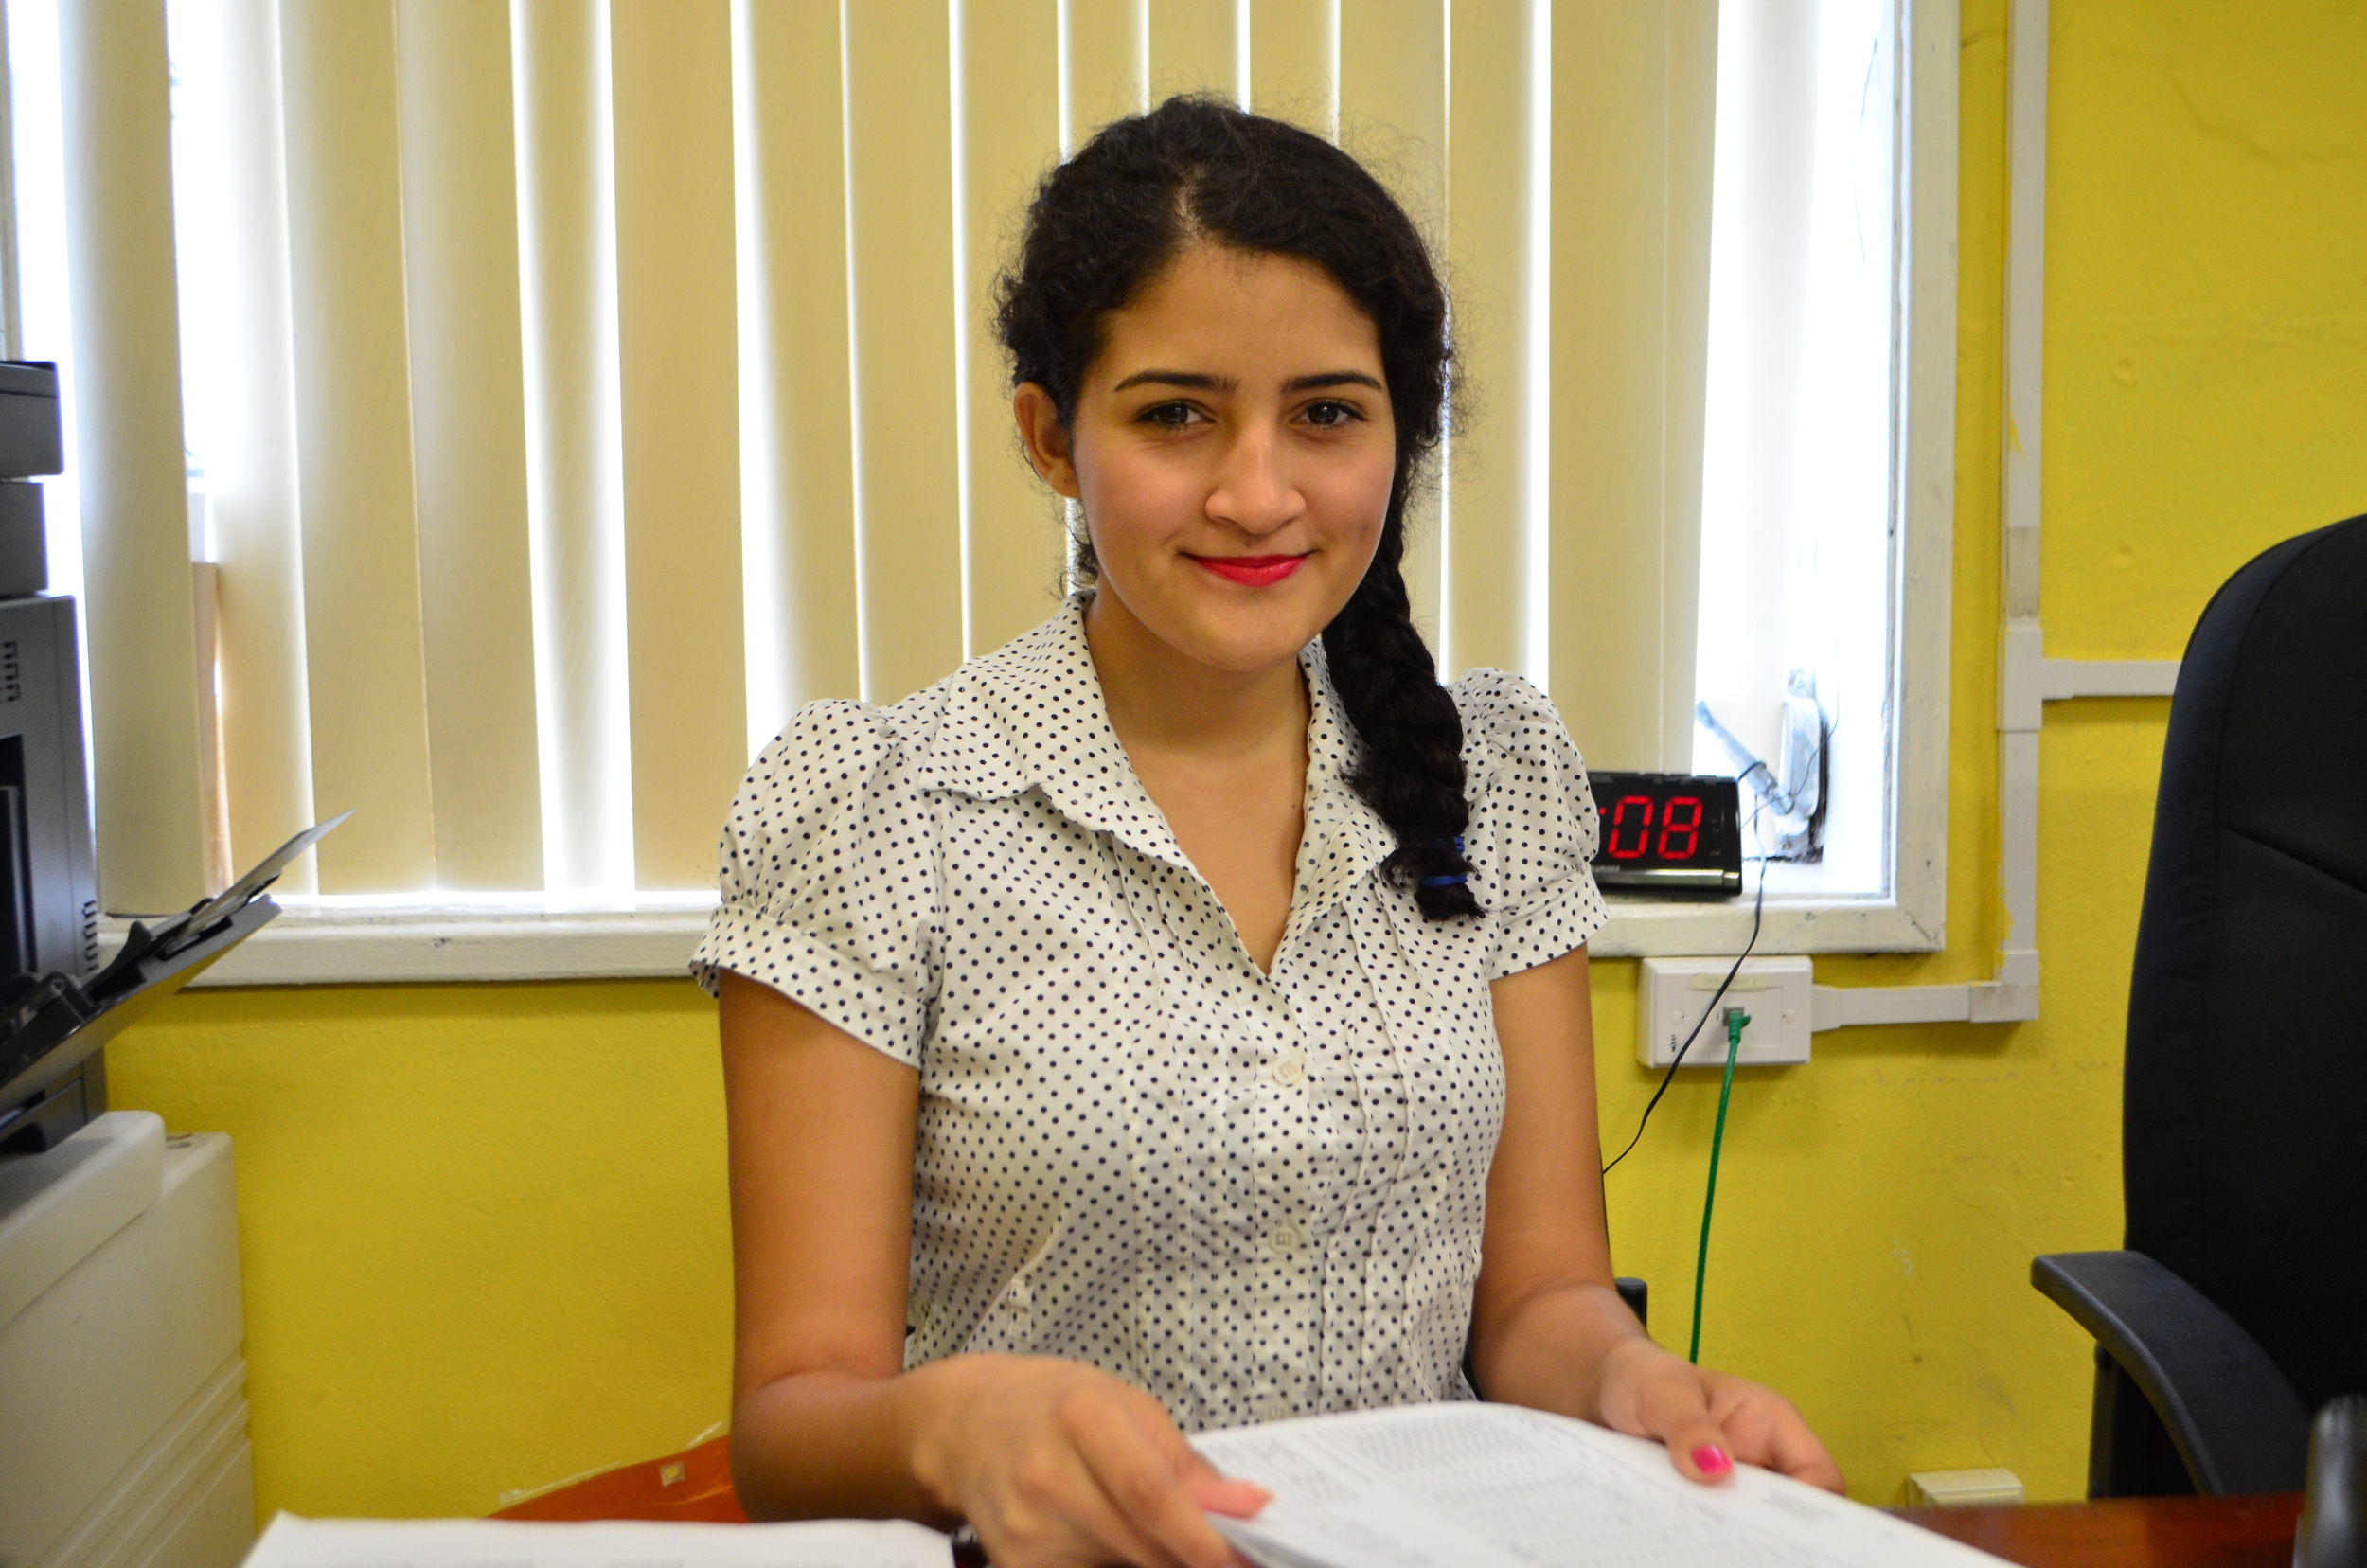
[584, 384]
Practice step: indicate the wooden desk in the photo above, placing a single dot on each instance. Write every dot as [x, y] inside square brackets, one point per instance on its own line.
[2136, 1532]
[2158, 1532]
[2148, 1532]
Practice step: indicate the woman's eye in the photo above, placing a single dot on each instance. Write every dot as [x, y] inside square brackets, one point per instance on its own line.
[1174, 416]
[1331, 414]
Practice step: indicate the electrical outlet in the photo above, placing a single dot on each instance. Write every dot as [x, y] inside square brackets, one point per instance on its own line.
[1673, 993]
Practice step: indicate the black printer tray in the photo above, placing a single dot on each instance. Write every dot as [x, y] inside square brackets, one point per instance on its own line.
[71, 1026]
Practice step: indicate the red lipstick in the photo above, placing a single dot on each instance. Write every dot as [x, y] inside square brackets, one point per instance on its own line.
[1253, 571]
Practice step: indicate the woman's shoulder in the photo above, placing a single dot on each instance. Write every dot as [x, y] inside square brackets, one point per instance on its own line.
[1505, 718]
[944, 735]
[1533, 827]
[835, 745]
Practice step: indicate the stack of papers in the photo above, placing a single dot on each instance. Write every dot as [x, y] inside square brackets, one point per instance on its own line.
[1442, 1485]
[1482, 1486]
[293, 1542]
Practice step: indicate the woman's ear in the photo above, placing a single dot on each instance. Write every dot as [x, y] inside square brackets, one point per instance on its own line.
[1046, 439]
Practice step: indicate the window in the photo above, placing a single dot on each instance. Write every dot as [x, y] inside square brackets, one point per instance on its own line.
[568, 393]
[1807, 431]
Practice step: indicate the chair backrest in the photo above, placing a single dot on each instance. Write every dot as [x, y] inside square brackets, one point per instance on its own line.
[2245, 1121]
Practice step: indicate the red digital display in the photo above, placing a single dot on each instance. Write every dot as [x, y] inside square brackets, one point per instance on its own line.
[1629, 826]
[1678, 834]
[1688, 807]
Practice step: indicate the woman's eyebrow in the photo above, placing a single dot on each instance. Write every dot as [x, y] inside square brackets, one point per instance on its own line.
[1190, 380]
[1331, 378]
[1199, 381]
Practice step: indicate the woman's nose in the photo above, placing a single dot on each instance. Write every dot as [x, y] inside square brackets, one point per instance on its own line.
[1253, 491]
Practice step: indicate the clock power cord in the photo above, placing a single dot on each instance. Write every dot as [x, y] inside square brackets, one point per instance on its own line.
[1758, 906]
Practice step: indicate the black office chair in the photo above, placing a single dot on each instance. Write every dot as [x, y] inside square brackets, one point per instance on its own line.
[2241, 1304]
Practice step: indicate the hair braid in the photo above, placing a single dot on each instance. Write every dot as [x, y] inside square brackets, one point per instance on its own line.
[1412, 767]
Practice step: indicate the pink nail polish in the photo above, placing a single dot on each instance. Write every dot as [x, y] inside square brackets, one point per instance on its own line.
[1711, 1459]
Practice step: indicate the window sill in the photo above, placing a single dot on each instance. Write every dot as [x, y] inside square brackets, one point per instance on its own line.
[1791, 923]
[316, 946]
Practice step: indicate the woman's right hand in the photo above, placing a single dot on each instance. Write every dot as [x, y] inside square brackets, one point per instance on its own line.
[1059, 1465]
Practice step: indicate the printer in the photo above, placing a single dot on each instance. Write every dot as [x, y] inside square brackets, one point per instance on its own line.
[123, 1417]
[49, 896]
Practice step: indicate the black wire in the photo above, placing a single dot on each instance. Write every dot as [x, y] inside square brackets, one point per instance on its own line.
[1758, 904]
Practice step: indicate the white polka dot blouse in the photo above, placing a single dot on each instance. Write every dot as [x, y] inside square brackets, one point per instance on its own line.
[1253, 1194]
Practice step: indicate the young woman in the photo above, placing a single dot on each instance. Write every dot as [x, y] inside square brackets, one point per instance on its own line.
[1179, 1018]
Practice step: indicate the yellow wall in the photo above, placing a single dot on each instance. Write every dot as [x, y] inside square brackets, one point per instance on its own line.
[484, 1227]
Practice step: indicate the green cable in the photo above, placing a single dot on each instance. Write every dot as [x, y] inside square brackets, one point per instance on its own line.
[1736, 1021]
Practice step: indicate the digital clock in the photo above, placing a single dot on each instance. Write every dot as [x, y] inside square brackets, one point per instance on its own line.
[1668, 834]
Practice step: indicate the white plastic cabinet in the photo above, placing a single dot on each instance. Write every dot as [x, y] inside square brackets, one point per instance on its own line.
[122, 1391]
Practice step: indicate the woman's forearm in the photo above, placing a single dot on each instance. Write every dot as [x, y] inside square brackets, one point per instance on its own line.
[1548, 1348]
[839, 1445]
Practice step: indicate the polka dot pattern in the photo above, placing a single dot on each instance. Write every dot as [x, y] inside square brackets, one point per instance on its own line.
[1254, 1194]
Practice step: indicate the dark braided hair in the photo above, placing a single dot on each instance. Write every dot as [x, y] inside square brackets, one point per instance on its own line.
[1195, 169]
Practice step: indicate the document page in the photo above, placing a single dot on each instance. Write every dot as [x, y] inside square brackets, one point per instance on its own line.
[1483, 1486]
[293, 1542]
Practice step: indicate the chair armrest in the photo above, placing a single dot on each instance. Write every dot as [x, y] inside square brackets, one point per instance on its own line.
[2237, 1423]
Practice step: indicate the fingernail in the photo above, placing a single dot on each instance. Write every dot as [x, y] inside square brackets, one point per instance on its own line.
[1711, 1460]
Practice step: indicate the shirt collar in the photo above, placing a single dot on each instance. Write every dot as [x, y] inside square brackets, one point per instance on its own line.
[1344, 838]
[1031, 714]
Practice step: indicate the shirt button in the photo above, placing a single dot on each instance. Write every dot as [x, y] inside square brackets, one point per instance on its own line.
[1272, 1410]
[1286, 1238]
[1291, 1069]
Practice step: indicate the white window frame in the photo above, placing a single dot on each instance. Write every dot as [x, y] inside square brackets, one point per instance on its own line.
[1912, 916]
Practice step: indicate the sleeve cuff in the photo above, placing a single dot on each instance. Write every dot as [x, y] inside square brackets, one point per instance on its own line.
[1563, 920]
[875, 1009]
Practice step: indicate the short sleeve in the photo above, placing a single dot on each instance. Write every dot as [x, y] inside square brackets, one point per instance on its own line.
[1533, 825]
[828, 880]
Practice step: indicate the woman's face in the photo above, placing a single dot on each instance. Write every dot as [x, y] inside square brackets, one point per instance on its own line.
[1231, 449]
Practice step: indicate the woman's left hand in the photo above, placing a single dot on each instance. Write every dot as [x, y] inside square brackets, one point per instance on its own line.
[1708, 1419]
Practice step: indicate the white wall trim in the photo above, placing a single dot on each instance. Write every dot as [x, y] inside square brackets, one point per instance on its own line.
[2028, 680]
[2062, 679]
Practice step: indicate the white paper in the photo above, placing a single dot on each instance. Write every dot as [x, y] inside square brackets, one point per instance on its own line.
[293, 1542]
[1482, 1486]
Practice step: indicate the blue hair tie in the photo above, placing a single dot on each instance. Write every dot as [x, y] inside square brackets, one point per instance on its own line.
[1455, 881]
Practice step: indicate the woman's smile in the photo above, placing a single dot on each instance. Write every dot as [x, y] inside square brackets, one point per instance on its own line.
[1252, 571]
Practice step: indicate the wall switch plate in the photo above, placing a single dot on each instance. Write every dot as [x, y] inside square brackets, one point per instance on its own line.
[1673, 993]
